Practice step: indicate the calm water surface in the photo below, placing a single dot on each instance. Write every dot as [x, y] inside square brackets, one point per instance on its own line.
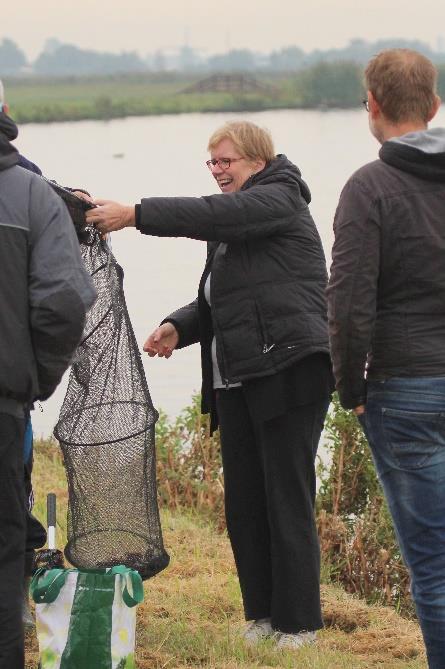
[133, 158]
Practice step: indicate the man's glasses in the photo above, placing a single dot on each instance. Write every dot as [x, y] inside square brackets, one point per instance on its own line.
[366, 104]
[223, 163]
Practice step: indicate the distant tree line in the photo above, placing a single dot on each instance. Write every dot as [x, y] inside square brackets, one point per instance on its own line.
[58, 59]
[12, 59]
[339, 84]
[67, 59]
[323, 84]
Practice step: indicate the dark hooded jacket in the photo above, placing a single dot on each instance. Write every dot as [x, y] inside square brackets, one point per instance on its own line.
[268, 274]
[44, 287]
[387, 288]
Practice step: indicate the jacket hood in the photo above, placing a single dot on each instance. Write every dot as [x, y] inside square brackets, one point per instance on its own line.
[8, 131]
[280, 169]
[419, 153]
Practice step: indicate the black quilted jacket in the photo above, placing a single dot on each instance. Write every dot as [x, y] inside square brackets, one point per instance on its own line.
[268, 274]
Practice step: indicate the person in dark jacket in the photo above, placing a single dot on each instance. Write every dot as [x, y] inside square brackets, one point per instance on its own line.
[44, 294]
[260, 317]
[35, 532]
[387, 317]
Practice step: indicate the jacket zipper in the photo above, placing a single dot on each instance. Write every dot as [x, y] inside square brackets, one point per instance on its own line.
[267, 348]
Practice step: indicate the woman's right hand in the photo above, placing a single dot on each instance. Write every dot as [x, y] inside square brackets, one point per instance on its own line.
[162, 341]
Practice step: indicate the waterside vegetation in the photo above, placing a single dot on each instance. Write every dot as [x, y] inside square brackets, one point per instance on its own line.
[321, 86]
[358, 545]
[192, 612]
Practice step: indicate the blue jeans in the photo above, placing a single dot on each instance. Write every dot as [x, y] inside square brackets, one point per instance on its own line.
[405, 426]
[35, 532]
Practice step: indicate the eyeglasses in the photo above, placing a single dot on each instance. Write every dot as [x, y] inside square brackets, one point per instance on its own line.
[223, 163]
[365, 102]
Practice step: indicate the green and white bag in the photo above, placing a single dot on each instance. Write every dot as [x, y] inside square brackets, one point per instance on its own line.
[86, 619]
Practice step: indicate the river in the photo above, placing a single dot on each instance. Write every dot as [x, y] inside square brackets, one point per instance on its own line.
[127, 159]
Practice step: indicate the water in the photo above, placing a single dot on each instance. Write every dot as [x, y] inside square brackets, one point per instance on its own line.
[132, 158]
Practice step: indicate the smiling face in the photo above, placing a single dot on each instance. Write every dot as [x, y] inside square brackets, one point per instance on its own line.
[232, 178]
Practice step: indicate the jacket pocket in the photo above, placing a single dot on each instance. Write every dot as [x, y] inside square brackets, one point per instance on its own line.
[265, 344]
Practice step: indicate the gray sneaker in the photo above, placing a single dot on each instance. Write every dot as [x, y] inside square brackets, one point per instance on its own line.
[257, 630]
[295, 641]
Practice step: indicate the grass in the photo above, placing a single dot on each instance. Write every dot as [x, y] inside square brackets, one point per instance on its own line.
[46, 99]
[192, 614]
[42, 100]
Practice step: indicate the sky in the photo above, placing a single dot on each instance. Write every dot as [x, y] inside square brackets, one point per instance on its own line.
[260, 25]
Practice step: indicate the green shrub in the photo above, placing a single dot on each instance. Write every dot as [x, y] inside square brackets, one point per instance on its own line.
[189, 468]
[359, 549]
[338, 84]
[357, 539]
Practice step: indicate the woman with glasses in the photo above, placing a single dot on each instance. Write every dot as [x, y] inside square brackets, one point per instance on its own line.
[260, 318]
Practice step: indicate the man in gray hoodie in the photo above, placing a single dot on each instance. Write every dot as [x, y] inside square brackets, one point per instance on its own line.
[387, 317]
[45, 292]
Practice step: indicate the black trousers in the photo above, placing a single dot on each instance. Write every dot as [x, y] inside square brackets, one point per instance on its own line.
[269, 474]
[12, 541]
[35, 532]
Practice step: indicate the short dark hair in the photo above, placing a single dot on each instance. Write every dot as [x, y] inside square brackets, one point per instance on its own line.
[404, 83]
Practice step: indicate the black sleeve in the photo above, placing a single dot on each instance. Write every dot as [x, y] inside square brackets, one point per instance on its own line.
[260, 211]
[60, 289]
[186, 322]
[352, 291]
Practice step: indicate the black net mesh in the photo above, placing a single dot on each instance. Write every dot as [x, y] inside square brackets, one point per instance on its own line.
[106, 431]
[76, 207]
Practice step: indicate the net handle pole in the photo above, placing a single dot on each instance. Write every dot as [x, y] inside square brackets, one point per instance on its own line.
[51, 519]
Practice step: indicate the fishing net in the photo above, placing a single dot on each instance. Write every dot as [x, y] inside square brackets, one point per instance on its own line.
[106, 432]
[76, 206]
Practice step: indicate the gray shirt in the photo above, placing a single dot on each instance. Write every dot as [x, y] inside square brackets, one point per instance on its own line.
[217, 379]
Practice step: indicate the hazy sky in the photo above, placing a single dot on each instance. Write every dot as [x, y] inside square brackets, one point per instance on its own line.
[261, 25]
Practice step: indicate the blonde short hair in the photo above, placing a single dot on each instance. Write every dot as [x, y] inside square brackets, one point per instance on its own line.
[252, 142]
[404, 83]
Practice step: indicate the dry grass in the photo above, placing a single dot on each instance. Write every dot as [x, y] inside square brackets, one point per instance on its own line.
[354, 525]
[192, 616]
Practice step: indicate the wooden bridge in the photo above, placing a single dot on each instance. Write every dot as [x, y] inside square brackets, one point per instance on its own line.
[229, 83]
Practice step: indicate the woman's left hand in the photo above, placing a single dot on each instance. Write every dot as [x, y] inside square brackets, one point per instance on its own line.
[109, 216]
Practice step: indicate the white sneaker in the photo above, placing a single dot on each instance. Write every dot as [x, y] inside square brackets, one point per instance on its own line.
[257, 630]
[295, 641]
